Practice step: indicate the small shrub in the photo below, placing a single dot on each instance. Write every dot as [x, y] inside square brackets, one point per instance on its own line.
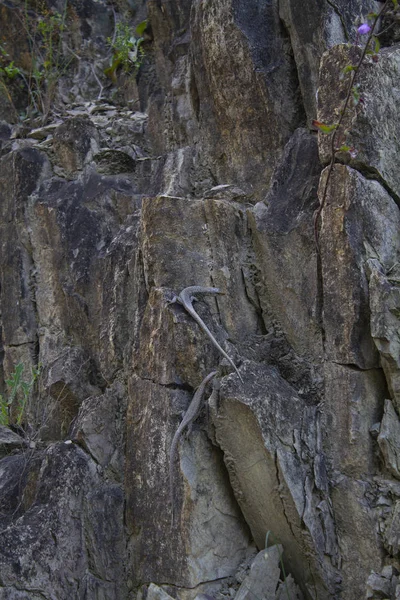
[353, 97]
[44, 33]
[15, 403]
[7, 69]
[127, 49]
[40, 78]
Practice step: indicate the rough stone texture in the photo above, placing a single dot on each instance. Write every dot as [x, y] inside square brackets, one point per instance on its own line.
[288, 588]
[229, 37]
[315, 26]
[19, 474]
[75, 141]
[282, 230]
[391, 532]
[373, 124]
[384, 292]
[390, 27]
[278, 473]
[360, 221]
[156, 593]
[389, 439]
[263, 578]
[68, 513]
[98, 430]
[227, 80]
[353, 501]
[209, 523]
[384, 584]
[204, 243]
[346, 425]
[205, 176]
[9, 441]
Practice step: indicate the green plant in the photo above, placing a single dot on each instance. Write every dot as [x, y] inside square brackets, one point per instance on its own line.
[44, 34]
[353, 96]
[127, 49]
[9, 71]
[19, 395]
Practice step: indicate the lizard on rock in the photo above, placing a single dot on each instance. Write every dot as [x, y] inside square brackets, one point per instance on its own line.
[190, 416]
[186, 298]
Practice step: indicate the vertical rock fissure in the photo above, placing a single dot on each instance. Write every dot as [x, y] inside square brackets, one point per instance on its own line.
[339, 14]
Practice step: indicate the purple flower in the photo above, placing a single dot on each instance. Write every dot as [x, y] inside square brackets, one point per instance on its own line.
[363, 29]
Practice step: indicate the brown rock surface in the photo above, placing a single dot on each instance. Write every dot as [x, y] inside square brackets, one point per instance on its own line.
[198, 170]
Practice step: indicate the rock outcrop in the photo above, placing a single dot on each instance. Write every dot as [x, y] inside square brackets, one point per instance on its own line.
[199, 167]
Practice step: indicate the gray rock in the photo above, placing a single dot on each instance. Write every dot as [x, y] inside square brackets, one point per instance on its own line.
[5, 134]
[5, 131]
[355, 516]
[191, 109]
[283, 235]
[87, 266]
[209, 520]
[288, 589]
[75, 142]
[378, 586]
[273, 478]
[360, 221]
[392, 531]
[389, 439]
[313, 28]
[156, 593]
[347, 440]
[7, 111]
[11, 593]
[228, 192]
[376, 153]
[18, 475]
[9, 441]
[113, 162]
[71, 513]
[390, 28]
[178, 232]
[41, 133]
[384, 303]
[97, 429]
[262, 581]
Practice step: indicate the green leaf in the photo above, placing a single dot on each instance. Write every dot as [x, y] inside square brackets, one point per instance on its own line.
[356, 95]
[395, 4]
[377, 44]
[343, 148]
[3, 412]
[36, 372]
[324, 127]
[141, 28]
[348, 68]
[111, 71]
[20, 413]
[25, 387]
[15, 382]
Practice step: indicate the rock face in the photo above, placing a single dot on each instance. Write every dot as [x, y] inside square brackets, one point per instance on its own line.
[199, 169]
[315, 26]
